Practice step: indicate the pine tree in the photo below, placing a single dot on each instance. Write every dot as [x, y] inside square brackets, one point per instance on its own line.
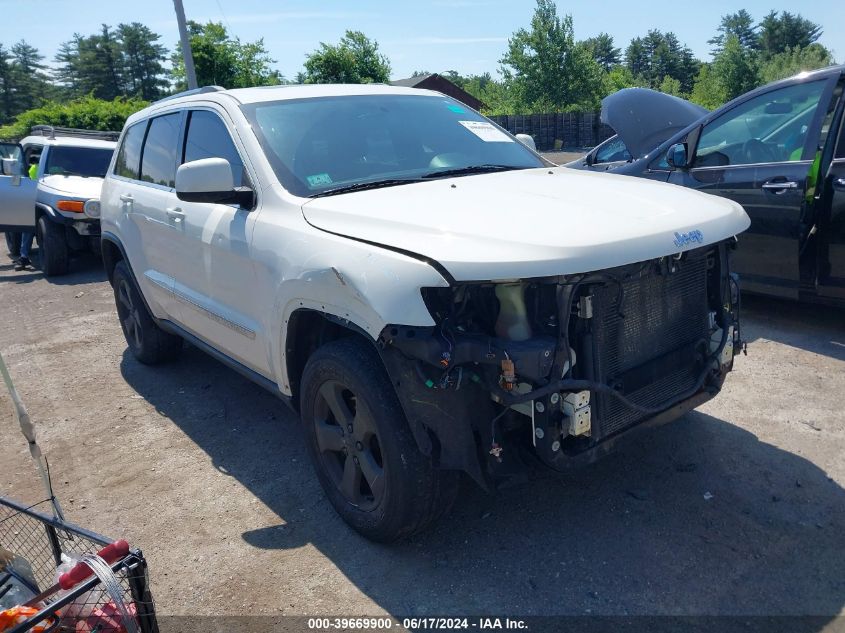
[31, 83]
[142, 57]
[7, 90]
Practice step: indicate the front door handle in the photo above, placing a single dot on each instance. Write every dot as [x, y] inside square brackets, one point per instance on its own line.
[779, 186]
[839, 183]
[126, 197]
[175, 214]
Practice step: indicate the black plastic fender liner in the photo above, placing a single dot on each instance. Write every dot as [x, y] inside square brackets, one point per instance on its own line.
[442, 420]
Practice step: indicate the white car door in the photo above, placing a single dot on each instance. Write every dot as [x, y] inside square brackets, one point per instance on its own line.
[17, 191]
[216, 277]
[146, 169]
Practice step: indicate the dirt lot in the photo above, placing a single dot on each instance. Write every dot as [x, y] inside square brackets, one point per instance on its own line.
[561, 158]
[736, 509]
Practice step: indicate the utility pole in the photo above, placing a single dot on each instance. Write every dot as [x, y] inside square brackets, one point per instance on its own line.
[186, 45]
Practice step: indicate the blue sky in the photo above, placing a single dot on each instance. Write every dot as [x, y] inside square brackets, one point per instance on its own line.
[469, 36]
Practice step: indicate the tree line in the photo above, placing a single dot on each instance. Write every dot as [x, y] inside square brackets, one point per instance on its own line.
[545, 69]
[96, 79]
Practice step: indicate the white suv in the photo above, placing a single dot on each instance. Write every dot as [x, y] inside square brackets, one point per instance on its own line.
[61, 204]
[432, 296]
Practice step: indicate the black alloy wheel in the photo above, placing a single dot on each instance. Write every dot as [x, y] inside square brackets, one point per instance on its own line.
[349, 445]
[130, 318]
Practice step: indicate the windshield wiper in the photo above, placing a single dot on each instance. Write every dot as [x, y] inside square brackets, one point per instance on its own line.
[363, 186]
[469, 169]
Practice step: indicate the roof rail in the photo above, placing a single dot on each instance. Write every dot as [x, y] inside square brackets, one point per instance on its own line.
[52, 131]
[195, 91]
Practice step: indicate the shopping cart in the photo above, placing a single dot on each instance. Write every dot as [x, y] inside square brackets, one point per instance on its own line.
[89, 606]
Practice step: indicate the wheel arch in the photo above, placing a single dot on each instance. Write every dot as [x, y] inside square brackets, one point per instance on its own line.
[112, 252]
[308, 329]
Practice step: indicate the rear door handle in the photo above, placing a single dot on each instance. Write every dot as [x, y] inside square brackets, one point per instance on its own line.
[779, 186]
[839, 183]
[175, 214]
[126, 197]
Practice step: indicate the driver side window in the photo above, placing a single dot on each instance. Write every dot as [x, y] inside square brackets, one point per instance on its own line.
[770, 128]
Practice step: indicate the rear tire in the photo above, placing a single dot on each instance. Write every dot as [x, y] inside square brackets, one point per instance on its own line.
[362, 447]
[13, 244]
[147, 341]
[53, 247]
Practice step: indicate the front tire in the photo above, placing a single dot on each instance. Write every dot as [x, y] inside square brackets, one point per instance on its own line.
[362, 448]
[13, 244]
[53, 247]
[147, 341]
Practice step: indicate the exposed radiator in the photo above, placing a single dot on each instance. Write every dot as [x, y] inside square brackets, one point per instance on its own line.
[653, 353]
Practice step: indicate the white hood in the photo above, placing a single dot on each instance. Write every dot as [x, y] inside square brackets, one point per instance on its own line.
[71, 186]
[531, 223]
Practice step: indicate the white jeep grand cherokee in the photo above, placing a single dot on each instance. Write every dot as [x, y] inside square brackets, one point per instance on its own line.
[431, 295]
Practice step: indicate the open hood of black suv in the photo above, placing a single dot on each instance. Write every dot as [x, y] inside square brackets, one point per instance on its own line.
[645, 118]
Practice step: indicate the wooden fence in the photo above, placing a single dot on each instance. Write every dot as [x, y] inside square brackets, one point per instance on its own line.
[556, 131]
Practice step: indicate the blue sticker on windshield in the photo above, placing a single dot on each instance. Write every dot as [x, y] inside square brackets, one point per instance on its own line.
[454, 107]
[319, 180]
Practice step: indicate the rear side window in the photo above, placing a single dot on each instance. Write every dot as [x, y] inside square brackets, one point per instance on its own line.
[208, 138]
[128, 161]
[158, 161]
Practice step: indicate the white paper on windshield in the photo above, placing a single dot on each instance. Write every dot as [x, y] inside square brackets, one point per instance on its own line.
[487, 132]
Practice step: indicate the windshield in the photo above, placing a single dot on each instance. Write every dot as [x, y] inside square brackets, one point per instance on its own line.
[78, 161]
[332, 144]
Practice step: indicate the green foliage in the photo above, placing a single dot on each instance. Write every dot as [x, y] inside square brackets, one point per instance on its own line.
[670, 86]
[786, 31]
[740, 24]
[618, 78]
[126, 61]
[736, 68]
[354, 60]
[746, 56]
[708, 90]
[795, 60]
[545, 70]
[31, 82]
[659, 55]
[602, 49]
[142, 70]
[7, 86]
[733, 72]
[23, 82]
[221, 60]
[87, 113]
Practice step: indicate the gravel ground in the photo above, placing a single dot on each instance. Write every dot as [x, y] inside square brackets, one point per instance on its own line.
[562, 157]
[737, 508]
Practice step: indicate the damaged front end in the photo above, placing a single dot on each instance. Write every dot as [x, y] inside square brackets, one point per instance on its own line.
[560, 367]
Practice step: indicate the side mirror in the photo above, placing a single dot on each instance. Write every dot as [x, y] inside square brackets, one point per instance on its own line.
[590, 158]
[210, 180]
[677, 156]
[11, 167]
[527, 140]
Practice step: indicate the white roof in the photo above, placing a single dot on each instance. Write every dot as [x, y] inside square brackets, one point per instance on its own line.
[278, 93]
[305, 91]
[69, 141]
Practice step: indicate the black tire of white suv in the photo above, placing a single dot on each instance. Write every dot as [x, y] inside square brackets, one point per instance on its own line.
[362, 448]
[147, 341]
[13, 244]
[53, 247]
